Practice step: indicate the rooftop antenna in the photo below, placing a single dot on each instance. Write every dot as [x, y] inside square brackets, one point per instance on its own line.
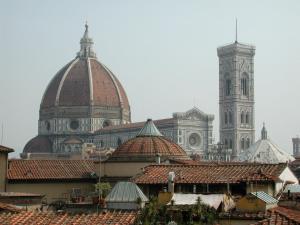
[1, 133]
[236, 30]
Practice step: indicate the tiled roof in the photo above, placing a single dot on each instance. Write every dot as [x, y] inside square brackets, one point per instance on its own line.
[136, 125]
[19, 194]
[281, 216]
[8, 208]
[211, 173]
[5, 149]
[41, 144]
[92, 81]
[50, 169]
[149, 147]
[47, 218]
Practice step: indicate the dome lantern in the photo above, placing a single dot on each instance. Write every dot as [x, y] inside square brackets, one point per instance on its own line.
[86, 45]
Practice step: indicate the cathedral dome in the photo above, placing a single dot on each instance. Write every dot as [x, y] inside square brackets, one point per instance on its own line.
[85, 81]
[148, 144]
[38, 144]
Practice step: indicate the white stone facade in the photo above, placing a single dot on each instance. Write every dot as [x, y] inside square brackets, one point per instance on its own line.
[236, 96]
[192, 130]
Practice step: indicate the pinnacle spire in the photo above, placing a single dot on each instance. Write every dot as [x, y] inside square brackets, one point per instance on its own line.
[264, 133]
[86, 45]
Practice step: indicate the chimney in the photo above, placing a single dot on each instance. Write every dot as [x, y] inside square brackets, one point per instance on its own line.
[171, 180]
[157, 158]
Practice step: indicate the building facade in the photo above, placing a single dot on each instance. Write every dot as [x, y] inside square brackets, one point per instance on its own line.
[192, 130]
[236, 96]
[86, 103]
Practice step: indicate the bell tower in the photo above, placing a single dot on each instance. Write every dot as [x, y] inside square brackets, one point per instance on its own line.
[236, 96]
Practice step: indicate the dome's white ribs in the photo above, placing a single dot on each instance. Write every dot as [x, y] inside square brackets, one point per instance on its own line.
[52, 81]
[90, 81]
[115, 83]
[63, 80]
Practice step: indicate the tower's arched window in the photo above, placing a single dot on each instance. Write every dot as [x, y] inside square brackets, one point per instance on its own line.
[230, 117]
[225, 118]
[230, 143]
[227, 84]
[226, 143]
[248, 143]
[242, 117]
[243, 143]
[245, 84]
[247, 118]
[228, 87]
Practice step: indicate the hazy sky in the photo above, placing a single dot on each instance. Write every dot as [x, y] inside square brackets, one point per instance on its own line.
[163, 52]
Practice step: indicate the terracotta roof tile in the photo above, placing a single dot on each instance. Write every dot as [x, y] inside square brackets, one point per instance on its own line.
[8, 208]
[47, 218]
[211, 173]
[137, 125]
[281, 216]
[5, 149]
[50, 169]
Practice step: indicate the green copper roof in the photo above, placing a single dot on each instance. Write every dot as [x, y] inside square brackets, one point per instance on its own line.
[149, 129]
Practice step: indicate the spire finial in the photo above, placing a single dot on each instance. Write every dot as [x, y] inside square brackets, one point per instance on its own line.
[86, 44]
[264, 133]
[236, 30]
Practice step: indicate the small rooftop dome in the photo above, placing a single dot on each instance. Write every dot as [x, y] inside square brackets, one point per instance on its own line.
[148, 144]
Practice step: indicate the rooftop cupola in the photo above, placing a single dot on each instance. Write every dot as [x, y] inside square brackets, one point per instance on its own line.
[264, 133]
[149, 129]
[86, 45]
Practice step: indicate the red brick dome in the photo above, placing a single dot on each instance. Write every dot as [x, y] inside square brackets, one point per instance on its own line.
[38, 144]
[148, 144]
[84, 82]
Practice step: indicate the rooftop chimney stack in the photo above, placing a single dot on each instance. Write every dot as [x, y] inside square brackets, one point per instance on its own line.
[171, 180]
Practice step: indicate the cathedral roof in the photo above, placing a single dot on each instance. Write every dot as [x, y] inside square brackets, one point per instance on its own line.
[85, 81]
[40, 144]
[265, 151]
[148, 144]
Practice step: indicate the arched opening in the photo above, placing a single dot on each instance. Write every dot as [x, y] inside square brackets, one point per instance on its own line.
[245, 84]
[242, 117]
[247, 118]
[242, 143]
[230, 117]
[225, 118]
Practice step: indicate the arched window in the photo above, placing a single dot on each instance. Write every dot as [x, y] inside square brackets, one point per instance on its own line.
[230, 117]
[225, 118]
[228, 87]
[248, 143]
[242, 117]
[226, 143]
[243, 143]
[247, 118]
[230, 143]
[244, 84]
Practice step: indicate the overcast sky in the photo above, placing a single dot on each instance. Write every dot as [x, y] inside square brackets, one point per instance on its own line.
[163, 52]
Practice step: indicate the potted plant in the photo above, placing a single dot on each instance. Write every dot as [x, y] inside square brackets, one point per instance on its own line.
[101, 191]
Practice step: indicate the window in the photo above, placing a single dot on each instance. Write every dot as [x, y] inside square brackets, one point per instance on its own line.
[230, 143]
[242, 117]
[247, 118]
[244, 84]
[243, 143]
[230, 117]
[228, 87]
[248, 143]
[226, 143]
[225, 118]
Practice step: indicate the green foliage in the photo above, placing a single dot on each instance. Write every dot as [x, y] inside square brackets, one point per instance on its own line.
[103, 188]
[156, 214]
